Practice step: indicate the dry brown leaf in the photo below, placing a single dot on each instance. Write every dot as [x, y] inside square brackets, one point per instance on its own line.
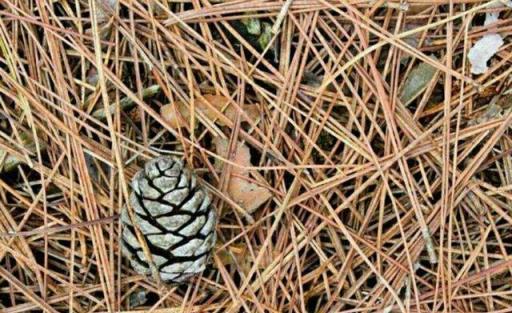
[251, 110]
[174, 115]
[242, 156]
[416, 9]
[238, 253]
[226, 255]
[248, 195]
[211, 106]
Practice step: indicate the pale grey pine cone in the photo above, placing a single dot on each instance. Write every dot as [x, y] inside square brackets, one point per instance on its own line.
[174, 214]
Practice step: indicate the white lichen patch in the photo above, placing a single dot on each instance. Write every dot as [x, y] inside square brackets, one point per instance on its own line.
[486, 47]
[483, 50]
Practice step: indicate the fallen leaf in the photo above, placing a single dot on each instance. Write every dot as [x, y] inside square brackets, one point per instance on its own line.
[485, 48]
[416, 82]
[247, 194]
[218, 102]
[104, 9]
[501, 3]
[176, 115]
[491, 18]
[418, 8]
[210, 106]
[239, 254]
[492, 111]
[8, 162]
[126, 103]
[241, 156]
[231, 254]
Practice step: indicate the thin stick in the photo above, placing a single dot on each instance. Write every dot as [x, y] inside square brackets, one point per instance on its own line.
[60, 228]
[282, 14]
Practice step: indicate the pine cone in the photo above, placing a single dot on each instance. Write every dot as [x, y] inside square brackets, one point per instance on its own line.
[174, 214]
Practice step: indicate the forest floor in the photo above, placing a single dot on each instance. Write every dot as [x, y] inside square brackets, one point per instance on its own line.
[358, 153]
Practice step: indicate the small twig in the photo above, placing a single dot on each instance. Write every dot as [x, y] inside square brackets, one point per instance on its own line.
[126, 103]
[284, 11]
